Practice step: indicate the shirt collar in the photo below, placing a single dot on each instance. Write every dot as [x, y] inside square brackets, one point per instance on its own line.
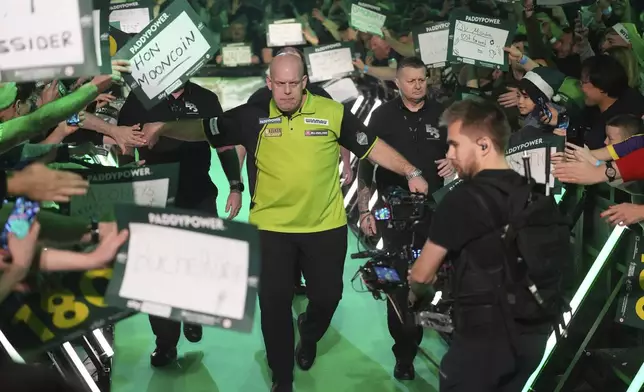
[404, 108]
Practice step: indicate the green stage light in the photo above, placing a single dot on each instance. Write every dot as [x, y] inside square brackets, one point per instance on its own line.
[578, 298]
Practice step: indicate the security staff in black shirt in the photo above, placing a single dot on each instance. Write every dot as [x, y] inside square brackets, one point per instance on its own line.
[196, 189]
[410, 124]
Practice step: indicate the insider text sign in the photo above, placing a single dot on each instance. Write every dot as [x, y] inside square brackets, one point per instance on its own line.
[167, 52]
[45, 39]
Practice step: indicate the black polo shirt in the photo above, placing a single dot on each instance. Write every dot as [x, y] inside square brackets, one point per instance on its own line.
[415, 135]
[196, 102]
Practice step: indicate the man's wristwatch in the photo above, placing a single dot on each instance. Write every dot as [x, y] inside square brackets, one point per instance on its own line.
[611, 173]
[414, 174]
[237, 186]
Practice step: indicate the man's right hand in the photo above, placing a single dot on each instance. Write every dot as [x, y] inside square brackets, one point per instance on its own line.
[418, 185]
[40, 183]
[368, 224]
[151, 133]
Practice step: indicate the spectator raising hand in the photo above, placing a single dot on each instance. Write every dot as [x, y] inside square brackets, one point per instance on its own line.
[16, 264]
[624, 214]
[40, 183]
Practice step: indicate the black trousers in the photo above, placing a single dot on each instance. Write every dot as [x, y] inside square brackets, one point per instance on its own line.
[167, 331]
[488, 364]
[33, 378]
[407, 335]
[321, 256]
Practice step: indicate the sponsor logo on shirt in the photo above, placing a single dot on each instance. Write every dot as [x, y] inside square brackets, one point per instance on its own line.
[432, 132]
[191, 107]
[276, 120]
[273, 132]
[316, 133]
[362, 139]
[316, 121]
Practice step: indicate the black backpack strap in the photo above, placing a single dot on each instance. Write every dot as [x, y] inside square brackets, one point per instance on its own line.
[493, 210]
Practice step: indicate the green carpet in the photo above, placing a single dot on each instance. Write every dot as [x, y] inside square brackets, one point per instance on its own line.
[354, 355]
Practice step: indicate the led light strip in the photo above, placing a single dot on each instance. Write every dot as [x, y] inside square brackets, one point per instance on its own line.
[578, 298]
[82, 370]
[105, 346]
[357, 104]
[638, 381]
[13, 354]
[376, 103]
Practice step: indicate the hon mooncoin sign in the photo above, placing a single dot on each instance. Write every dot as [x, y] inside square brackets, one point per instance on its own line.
[171, 49]
[210, 264]
[46, 39]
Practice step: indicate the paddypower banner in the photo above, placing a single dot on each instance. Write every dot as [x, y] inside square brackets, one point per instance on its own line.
[164, 55]
[214, 273]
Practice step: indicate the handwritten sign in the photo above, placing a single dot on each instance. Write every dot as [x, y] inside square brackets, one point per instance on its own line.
[538, 151]
[44, 39]
[146, 186]
[630, 309]
[342, 90]
[59, 308]
[102, 35]
[479, 40]
[556, 2]
[171, 49]
[431, 43]
[367, 18]
[218, 259]
[131, 17]
[329, 62]
[284, 32]
[234, 55]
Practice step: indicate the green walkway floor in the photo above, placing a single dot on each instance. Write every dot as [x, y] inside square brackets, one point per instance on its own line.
[354, 355]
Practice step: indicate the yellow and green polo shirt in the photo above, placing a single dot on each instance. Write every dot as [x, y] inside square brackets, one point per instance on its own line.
[294, 177]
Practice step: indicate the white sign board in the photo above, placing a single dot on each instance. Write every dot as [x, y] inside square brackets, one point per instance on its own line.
[342, 90]
[540, 164]
[214, 267]
[234, 55]
[431, 43]
[45, 39]
[329, 62]
[130, 19]
[167, 53]
[367, 18]
[284, 33]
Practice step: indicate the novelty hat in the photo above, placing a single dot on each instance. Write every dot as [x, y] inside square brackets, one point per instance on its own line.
[542, 82]
[8, 94]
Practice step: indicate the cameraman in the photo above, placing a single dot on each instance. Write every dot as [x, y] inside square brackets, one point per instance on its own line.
[409, 123]
[484, 355]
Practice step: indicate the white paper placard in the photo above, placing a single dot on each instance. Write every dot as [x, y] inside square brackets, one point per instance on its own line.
[328, 62]
[538, 164]
[556, 2]
[342, 90]
[172, 48]
[431, 43]
[131, 21]
[478, 42]
[284, 33]
[366, 18]
[234, 55]
[42, 39]
[100, 198]
[207, 274]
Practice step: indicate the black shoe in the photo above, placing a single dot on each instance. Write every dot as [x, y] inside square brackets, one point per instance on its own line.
[305, 353]
[404, 371]
[161, 357]
[300, 289]
[193, 332]
[282, 387]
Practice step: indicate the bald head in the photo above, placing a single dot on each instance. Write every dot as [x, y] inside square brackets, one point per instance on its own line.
[287, 65]
[287, 81]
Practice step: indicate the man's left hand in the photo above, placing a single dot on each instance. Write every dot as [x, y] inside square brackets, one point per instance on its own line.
[233, 204]
[347, 174]
[445, 168]
[583, 173]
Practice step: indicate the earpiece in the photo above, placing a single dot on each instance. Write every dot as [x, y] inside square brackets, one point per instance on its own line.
[483, 147]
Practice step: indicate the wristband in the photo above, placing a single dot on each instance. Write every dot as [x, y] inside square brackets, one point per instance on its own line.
[414, 174]
[599, 163]
[524, 59]
[553, 40]
[607, 11]
[365, 69]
